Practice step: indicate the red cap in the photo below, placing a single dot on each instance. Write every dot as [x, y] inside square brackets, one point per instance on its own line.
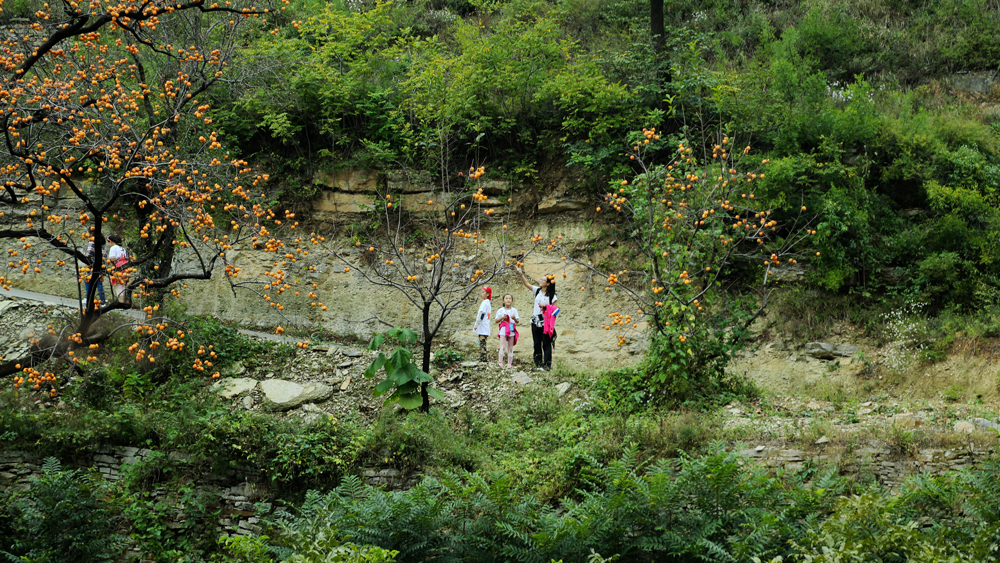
[489, 292]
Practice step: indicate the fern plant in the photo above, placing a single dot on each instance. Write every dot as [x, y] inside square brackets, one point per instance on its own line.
[63, 516]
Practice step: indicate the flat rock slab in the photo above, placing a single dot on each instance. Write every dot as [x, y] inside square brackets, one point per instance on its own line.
[352, 353]
[562, 388]
[233, 386]
[283, 395]
[522, 378]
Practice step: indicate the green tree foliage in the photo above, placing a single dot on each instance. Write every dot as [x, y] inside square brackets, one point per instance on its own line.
[337, 89]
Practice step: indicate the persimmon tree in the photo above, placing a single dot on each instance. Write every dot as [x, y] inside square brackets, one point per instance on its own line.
[707, 248]
[434, 251]
[106, 129]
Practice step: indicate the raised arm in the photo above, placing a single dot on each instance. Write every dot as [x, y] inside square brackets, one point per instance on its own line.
[524, 280]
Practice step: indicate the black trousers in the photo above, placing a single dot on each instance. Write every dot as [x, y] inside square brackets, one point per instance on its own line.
[543, 347]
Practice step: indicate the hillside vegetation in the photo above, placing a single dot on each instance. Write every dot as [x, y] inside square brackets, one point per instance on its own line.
[877, 123]
[852, 103]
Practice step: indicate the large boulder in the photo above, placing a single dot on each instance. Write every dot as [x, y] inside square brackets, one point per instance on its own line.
[845, 350]
[230, 387]
[284, 395]
[820, 350]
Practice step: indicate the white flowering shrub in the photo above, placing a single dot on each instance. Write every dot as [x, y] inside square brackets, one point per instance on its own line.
[903, 327]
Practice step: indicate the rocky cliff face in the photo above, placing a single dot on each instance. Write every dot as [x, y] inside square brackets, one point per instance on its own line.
[352, 303]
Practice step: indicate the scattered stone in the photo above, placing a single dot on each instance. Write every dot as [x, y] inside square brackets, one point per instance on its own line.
[759, 448]
[311, 413]
[345, 365]
[7, 306]
[822, 440]
[983, 423]
[562, 388]
[320, 348]
[470, 364]
[352, 353]
[231, 387]
[813, 406]
[453, 399]
[248, 402]
[345, 384]
[907, 419]
[522, 378]
[963, 427]
[820, 350]
[283, 395]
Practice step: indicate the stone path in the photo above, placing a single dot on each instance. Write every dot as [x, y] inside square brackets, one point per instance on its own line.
[74, 303]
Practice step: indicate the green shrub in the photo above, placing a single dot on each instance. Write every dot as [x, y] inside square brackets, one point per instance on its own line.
[447, 357]
[63, 516]
[675, 371]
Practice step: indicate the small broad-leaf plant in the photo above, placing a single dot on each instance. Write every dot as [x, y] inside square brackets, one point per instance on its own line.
[407, 383]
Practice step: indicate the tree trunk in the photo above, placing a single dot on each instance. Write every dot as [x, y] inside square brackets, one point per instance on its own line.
[656, 24]
[659, 39]
[426, 363]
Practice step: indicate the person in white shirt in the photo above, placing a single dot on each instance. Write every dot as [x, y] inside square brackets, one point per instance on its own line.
[482, 324]
[118, 258]
[544, 295]
[507, 318]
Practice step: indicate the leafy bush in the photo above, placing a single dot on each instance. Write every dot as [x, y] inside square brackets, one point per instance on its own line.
[447, 357]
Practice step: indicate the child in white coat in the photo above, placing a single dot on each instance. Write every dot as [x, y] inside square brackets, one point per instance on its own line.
[482, 324]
